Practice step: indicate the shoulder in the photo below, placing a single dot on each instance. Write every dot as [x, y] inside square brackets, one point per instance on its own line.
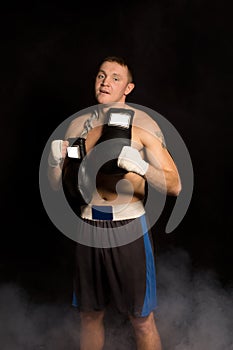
[147, 125]
[144, 120]
[76, 126]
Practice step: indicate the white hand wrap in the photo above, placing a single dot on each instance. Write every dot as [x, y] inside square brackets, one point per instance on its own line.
[131, 160]
[55, 155]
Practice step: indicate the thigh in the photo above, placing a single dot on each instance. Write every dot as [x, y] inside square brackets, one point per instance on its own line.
[91, 291]
[131, 274]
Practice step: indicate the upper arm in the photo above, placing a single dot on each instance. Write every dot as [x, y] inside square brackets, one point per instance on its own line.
[153, 141]
[75, 128]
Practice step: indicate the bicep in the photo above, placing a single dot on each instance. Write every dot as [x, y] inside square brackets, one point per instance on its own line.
[74, 129]
[156, 152]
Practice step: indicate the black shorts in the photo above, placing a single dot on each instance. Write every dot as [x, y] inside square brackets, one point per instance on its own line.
[123, 275]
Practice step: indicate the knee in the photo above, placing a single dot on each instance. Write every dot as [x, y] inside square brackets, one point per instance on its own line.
[143, 325]
[93, 317]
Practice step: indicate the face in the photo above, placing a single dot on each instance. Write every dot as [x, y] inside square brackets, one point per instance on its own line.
[112, 83]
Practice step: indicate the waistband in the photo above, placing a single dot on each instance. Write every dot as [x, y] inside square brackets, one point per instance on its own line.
[116, 212]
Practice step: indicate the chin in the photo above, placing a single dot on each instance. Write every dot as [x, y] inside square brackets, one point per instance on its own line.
[103, 100]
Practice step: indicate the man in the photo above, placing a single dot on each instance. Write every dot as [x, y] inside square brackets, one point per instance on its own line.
[124, 272]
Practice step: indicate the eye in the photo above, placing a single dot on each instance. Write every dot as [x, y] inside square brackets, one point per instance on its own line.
[116, 79]
[100, 76]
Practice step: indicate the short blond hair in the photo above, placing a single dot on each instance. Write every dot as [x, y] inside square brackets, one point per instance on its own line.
[121, 61]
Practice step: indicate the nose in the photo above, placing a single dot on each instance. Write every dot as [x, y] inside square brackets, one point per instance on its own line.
[105, 81]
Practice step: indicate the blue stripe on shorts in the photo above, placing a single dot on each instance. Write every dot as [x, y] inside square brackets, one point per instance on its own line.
[150, 301]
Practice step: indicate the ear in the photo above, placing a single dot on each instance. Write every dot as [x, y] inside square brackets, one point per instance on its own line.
[129, 88]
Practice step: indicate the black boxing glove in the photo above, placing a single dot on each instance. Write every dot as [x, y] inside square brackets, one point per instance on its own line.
[75, 154]
[116, 134]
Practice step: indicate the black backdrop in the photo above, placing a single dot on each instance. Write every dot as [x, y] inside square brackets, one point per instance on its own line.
[182, 57]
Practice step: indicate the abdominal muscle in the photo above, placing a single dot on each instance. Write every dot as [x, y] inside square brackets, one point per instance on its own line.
[118, 189]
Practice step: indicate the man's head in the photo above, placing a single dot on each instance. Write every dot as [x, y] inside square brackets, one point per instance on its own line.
[114, 80]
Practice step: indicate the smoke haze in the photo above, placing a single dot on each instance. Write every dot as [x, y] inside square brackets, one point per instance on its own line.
[194, 313]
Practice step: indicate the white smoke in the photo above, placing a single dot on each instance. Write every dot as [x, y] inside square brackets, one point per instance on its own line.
[194, 313]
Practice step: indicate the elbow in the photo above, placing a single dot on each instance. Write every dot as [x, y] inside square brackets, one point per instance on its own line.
[176, 190]
[175, 186]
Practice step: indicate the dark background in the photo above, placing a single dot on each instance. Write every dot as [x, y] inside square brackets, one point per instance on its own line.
[182, 54]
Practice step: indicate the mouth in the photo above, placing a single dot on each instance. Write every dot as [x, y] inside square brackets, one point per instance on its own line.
[104, 92]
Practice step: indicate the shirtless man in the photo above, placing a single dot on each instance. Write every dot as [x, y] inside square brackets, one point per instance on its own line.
[124, 273]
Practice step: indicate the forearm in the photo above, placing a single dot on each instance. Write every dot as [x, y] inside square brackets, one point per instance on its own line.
[164, 180]
[55, 162]
[163, 176]
[55, 176]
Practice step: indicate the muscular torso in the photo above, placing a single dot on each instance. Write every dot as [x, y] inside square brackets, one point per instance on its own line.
[116, 188]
